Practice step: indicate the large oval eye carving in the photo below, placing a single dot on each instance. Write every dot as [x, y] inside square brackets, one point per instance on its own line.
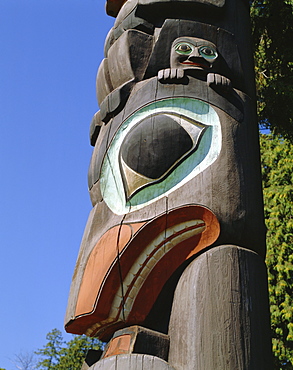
[183, 48]
[208, 52]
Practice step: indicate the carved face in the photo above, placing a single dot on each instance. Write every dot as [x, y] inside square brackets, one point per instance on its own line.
[193, 53]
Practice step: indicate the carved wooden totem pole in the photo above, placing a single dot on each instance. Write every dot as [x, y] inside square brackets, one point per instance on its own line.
[170, 269]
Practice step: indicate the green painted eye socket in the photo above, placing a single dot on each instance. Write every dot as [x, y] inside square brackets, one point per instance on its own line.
[208, 52]
[183, 48]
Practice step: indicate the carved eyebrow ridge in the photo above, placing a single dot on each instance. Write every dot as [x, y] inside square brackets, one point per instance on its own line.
[194, 43]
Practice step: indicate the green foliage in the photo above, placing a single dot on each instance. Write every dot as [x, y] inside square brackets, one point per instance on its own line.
[272, 23]
[72, 356]
[51, 352]
[277, 171]
[60, 355]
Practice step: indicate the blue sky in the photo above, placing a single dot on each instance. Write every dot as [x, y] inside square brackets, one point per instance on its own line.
[50, 52]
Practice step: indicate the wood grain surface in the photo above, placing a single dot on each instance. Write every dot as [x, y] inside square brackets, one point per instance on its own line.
[220, 317]
[132, 362]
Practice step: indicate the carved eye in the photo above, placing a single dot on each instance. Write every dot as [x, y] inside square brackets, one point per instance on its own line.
[208, 52]
[183, 48]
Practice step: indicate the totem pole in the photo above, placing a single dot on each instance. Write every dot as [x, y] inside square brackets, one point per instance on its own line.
[170, 270]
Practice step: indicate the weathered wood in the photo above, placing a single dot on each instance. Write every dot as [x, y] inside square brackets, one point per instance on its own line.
[115, 101]
[113, 7]
[131, 21]
[220, 317]
[229, 61]
[219, 186]
[132, 362]
[136, 339]
[234, 19]
[124, 65]
[112, 290]
[227, 177]
[95, 128]
[132, 61]
[175, 168]
[103, 82]
[93, 232]
[91, 358]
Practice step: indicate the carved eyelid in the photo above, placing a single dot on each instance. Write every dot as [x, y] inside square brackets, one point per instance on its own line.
[184, 42]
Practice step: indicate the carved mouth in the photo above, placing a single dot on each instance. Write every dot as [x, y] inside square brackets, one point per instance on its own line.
[119, 290]
[195, 64]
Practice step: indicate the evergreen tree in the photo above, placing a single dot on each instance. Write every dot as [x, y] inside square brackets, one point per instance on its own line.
[50, 354]
[73, 355]
[272, 22]
[277, 173]
[60, 355]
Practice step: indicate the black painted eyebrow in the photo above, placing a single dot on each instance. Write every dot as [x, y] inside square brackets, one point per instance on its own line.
[198, 43]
